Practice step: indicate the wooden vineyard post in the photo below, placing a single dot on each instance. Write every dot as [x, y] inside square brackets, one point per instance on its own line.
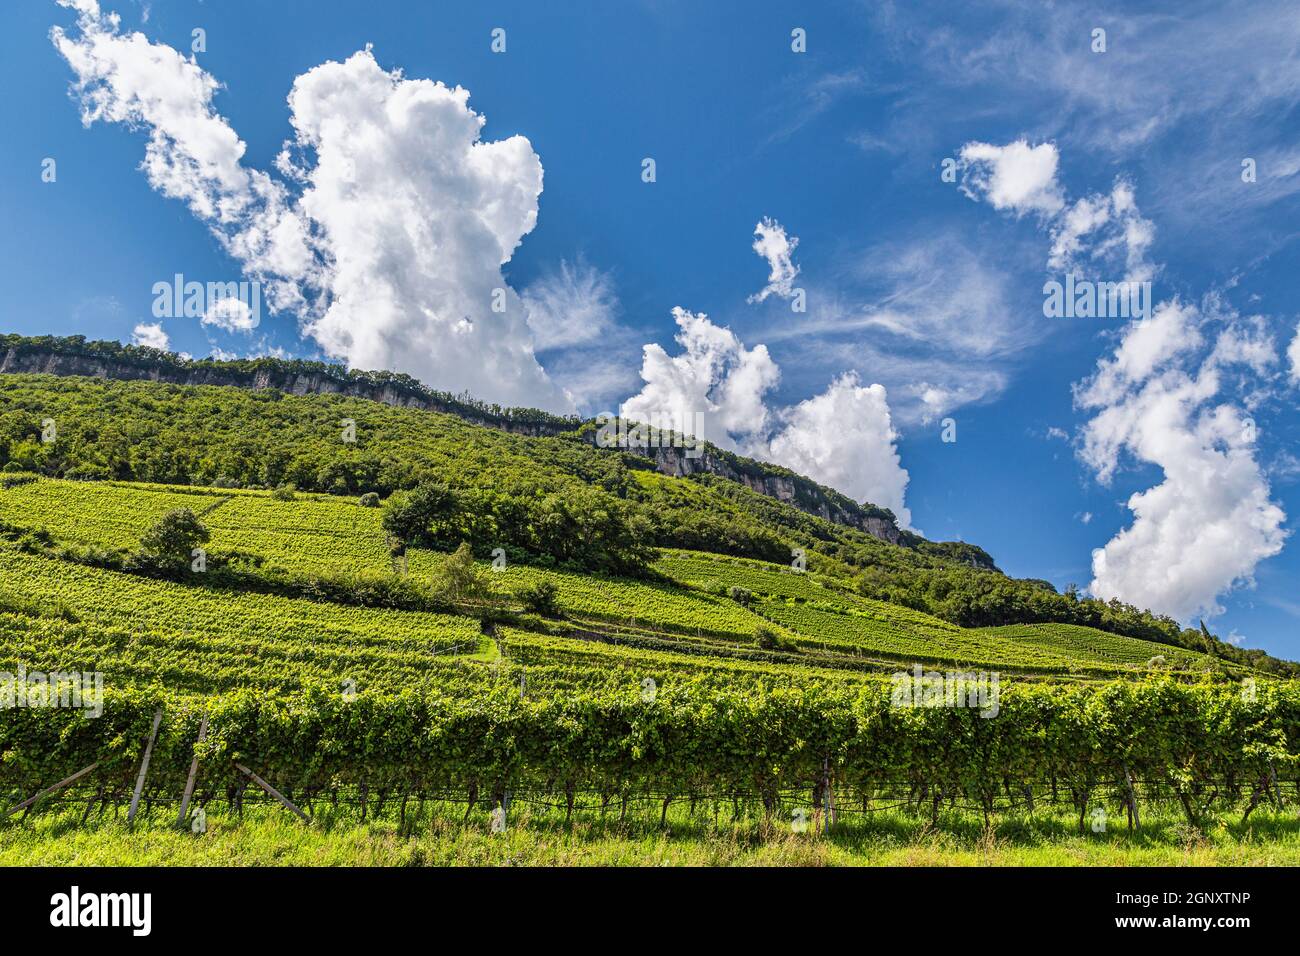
[829, 797]
[1132, 799]
[144, 767]
[273, 792]
[194, 770]
[58, 786]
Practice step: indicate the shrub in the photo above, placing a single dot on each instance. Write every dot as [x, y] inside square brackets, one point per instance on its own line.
[540, 598]
[369, 500]
[284, 493]
[770, 640]
[174, 537]
[742, 596]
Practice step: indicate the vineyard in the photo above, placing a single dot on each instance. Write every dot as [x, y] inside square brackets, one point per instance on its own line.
[1204, 749]
[315, 661]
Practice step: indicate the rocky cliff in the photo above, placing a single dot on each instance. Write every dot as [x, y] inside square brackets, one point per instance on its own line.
[802, 493]
[75, 356]
[266, 374]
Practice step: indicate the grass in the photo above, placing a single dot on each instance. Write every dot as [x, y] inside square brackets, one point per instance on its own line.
[540, 837]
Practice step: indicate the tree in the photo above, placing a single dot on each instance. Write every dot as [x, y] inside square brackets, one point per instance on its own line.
[414, 516]
[459, 578]
[175, 536]
[742, 596]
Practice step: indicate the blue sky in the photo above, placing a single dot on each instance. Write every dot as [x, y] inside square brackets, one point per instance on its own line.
[1114, 164]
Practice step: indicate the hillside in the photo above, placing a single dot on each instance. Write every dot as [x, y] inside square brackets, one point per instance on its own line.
[442, 619]
[504, 485]
[107, 359]
[85, 533]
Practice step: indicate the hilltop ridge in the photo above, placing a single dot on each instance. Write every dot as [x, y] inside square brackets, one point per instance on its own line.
[76, 356]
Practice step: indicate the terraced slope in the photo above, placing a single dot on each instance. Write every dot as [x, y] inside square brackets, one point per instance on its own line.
[549, 497]
[310, 533]
[702, 608]
[824, 612]
[62, 616]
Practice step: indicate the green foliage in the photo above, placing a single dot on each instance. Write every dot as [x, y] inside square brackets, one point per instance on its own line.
[175, 536]
[770, 640]
[197, 638]
[457, 578]
[585, 528]
[420, 515]
[753, 744]
[540, 597]
[767, 678]
[742, 596]
[555, 500]
[285, 492]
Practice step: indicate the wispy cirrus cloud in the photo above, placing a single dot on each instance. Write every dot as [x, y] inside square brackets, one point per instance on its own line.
[575, 317]
[929, 317]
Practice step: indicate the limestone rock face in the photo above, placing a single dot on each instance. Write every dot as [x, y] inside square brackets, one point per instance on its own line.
[681, 462]
[675, 461]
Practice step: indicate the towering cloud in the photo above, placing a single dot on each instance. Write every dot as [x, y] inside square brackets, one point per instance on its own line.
[715, 380]
[843, 438]
[389, 225]
[1210, 521]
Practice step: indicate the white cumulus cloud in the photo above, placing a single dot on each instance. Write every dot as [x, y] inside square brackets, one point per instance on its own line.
[715, 380]
[150, 334]
[1016, 177]
[843, 437]
[1100, 229]
[391, 221]
[1168, 395]
[230, 314]
[1203, 529]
